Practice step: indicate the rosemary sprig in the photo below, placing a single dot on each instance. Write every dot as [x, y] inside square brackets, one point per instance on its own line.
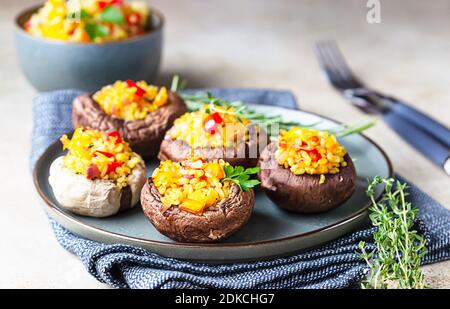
[356, 127]
[241, 176]
[399, 248]
[241, 110]
[177, 83]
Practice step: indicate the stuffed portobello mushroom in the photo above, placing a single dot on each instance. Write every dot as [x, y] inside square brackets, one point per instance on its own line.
[99, 176]
[307, 171]
[214, 132]
[198, 201]
[141, 113]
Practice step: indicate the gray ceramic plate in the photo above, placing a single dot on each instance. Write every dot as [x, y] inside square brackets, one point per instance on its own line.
[269, 232]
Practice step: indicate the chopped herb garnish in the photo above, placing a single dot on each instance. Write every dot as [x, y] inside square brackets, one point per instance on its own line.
[112, 14]
[241, 176]
[82, 14]
[95, 30]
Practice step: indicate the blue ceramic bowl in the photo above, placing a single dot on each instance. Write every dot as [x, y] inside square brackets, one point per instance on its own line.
[51, 64]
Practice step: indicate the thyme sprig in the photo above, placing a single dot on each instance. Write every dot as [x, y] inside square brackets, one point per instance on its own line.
[399, 248]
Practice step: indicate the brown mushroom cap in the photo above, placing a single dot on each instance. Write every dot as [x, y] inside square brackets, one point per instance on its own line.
[304, 193]
[215, 224]
[245, 154]
[144, 135]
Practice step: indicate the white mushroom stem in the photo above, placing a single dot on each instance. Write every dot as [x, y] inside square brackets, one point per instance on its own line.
[94, 198]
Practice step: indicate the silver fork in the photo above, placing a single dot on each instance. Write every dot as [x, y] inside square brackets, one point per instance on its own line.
[421, 131]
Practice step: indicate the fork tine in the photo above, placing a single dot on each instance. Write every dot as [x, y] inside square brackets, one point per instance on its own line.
[326, 65]
[341, 64]
[333, 63]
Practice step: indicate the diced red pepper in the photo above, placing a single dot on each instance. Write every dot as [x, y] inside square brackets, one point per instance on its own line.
[212, 122]
[92, 171]
[116, 135]
[210, 126]
[217, 118]
[139, 91]
[188, 176]
[113, 166]
[134, 19]
[106, 154]
[27, 24]
[103, 4]
[315, 155]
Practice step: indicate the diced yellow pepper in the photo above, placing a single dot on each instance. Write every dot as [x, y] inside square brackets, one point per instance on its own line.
[211, 197]
[215, 170]
[161, 97]
[193, 206]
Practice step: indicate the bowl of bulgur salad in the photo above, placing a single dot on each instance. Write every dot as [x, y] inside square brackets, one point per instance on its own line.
[85, 44]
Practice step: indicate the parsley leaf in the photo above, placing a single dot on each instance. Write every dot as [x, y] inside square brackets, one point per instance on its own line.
[112, 14]
[95, 30]
[241, 176]
[82, 14]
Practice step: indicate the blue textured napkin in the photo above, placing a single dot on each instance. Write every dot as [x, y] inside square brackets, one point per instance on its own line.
[335, 265]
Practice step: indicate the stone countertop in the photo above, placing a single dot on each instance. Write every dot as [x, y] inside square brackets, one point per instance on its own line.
[242, 44]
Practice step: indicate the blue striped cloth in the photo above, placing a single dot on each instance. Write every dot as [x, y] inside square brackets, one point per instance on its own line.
[335, 265]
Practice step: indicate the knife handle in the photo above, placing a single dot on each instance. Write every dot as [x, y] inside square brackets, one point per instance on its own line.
[426, 144]
[421, 120]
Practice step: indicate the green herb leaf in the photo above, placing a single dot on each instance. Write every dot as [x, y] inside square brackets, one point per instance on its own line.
[395, 262]
[228, 169]
[354, 128]
[241, 176]
[252, 170]
[82, 14]
[177, 83]
[249, 184]
[112, 14]
[95, 30]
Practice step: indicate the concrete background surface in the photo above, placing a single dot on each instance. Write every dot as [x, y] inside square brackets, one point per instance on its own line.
[241, 44]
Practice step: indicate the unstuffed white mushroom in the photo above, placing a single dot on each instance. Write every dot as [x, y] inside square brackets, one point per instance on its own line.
[96, 197]
[99, 176]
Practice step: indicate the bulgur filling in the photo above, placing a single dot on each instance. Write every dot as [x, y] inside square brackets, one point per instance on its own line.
[99, 155]
[89, 20]
[211, 127]
[310, 151]
[129, 101]
[193, 184]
